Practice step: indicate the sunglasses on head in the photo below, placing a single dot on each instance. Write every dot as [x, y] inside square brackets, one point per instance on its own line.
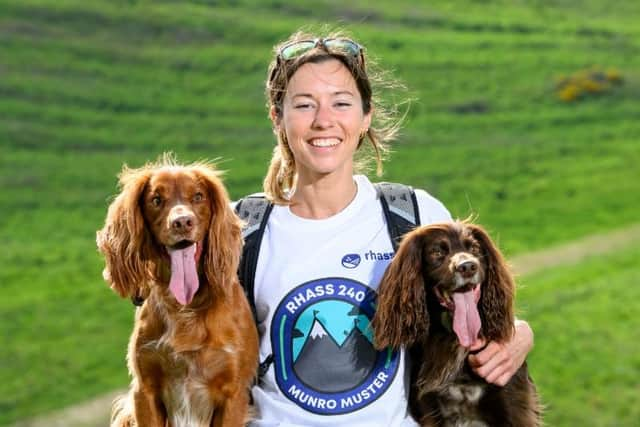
[343, 46]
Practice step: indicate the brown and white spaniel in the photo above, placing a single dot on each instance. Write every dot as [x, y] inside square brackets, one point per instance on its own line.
[447, 285]
[172, 242]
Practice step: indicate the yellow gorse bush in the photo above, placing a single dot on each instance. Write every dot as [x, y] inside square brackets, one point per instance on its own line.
[583, 83]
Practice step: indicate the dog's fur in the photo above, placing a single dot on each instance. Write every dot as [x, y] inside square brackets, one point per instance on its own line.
[416, 309]
[192, 361]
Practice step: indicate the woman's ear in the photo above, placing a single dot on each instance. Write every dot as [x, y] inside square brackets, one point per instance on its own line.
[366, 122]
[275, 117]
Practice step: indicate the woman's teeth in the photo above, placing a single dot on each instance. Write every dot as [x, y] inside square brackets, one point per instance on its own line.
[324, 142]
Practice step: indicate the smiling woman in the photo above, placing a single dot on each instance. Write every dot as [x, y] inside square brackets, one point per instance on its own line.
[323, 120]
[326, 245]
[321, 87]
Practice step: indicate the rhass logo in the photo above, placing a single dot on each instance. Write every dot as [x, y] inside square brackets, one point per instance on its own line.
[351, 260]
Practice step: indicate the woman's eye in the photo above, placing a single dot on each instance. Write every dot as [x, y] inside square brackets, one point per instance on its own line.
[343, 104]
[198, 197]
[302, 106]
[156, 201]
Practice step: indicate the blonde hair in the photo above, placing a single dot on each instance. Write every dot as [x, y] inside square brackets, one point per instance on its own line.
[281, 175]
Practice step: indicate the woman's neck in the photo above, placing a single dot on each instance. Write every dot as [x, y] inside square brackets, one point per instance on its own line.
[324, 197]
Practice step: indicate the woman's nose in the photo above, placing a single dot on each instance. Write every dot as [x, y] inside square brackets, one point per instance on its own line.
[323, 118]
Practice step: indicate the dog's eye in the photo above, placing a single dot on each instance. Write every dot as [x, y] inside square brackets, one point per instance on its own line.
[198, 197]
[437, 255]
[439, 251]
[474, 248]
[156, 201]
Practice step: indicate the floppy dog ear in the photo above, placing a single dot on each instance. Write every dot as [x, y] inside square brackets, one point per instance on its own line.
[123, 240]
[224, 240]
[401, 316]
[498, 289]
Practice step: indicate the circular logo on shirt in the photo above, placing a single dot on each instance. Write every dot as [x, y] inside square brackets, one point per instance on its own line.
[351, 260]
[322, 342]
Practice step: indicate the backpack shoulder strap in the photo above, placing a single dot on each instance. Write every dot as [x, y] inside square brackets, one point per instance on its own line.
[254, 210]
[400, 208]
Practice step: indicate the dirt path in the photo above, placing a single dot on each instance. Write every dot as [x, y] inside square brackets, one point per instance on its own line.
[575, 252]
[95, 413]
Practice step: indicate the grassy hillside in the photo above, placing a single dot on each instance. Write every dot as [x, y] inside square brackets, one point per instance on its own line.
[585, 359]
[86, 86]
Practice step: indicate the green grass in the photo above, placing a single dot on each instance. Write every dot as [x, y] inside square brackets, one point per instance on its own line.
[86, 86]
[585, 360]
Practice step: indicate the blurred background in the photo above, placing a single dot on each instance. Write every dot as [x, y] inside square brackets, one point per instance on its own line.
[523, 113]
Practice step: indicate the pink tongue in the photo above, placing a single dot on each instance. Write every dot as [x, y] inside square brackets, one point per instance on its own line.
[466, 320]
[184, 276]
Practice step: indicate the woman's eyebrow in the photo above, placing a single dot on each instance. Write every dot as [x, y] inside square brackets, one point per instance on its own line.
[301, 95]
[336, 93]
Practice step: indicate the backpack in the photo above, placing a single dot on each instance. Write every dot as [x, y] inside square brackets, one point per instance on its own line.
[399, 206]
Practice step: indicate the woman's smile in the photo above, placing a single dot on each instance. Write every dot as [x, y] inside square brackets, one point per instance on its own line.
[324, 142]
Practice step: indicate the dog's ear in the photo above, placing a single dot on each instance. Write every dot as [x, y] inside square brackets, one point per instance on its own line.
[498, 289]
[224, 240]
[401, 315]
[123, 240]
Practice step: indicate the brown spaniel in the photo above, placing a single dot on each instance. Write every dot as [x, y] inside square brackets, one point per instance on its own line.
[447, 285]
[172, 243]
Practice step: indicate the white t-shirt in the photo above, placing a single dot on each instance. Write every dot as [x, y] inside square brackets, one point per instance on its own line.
[314, 287]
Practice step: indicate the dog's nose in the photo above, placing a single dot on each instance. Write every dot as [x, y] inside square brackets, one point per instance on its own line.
[182, 223]
[467, 268]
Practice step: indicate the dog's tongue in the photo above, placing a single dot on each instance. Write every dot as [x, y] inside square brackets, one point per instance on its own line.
[184, 275]
[466, 320]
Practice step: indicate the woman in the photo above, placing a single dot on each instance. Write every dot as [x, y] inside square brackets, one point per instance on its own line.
[326, 246]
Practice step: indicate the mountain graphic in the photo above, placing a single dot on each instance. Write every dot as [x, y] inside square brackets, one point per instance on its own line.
[325, 366]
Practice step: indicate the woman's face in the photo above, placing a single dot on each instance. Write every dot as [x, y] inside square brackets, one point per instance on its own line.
[322, 117]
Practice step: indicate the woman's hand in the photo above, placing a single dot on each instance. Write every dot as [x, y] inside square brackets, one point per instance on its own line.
[498, 362]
